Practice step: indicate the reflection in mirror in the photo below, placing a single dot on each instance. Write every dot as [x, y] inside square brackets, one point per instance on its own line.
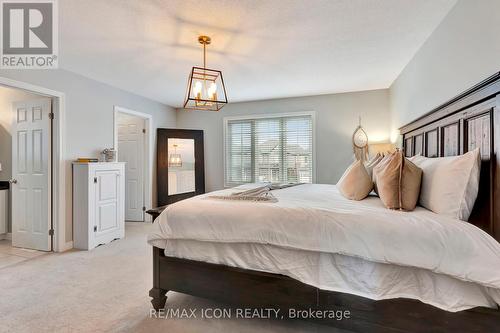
[181, 176]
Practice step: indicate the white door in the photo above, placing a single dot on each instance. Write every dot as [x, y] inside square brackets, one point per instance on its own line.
[31, 179]
[131, 149]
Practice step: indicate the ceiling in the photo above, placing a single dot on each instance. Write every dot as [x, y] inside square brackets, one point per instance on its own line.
[265, 48]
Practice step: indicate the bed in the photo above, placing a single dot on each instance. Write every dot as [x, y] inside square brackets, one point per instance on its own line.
[394, 271]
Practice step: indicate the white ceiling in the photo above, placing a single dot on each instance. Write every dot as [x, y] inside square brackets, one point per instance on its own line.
[265, 49]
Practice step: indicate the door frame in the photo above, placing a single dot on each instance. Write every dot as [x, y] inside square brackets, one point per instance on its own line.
[148, 148]
[58, 183]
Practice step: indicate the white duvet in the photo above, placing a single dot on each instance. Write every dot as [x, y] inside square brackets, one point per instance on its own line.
[317, 218]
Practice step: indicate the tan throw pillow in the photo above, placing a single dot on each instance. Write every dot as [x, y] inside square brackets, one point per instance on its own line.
[373, 159]
[398, 182]
[383, 162]
[371, 164]
[355, 183]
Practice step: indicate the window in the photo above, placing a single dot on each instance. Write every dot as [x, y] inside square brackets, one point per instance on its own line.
[276, 149]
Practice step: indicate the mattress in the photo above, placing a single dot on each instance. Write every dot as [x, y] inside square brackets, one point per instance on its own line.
[336, 272]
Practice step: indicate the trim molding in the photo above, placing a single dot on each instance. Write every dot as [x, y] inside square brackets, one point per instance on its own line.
[7, 235]
[67, 246]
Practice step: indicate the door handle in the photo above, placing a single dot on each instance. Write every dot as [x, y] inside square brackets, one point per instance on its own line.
[13, 181]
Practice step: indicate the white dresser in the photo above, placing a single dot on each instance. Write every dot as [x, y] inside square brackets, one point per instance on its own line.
[98, 203]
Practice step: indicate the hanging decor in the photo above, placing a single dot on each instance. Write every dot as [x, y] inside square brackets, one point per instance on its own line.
[206, 90]
[360, 143]
[175, 160]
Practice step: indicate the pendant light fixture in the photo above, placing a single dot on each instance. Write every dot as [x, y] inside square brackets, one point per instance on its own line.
[206, 90]
[175, 160]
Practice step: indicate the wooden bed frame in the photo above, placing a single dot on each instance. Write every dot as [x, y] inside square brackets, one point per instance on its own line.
[469, 120]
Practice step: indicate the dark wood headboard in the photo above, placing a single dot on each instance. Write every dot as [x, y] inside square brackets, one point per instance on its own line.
[470, 120]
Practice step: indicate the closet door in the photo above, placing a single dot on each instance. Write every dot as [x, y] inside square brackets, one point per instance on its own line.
[31, 175]
[107, 203]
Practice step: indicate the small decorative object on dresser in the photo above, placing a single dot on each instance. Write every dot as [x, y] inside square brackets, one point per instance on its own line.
[98, 203]
[86, 160]
[109, 155]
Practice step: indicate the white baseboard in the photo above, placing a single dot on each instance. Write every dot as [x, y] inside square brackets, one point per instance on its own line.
[67, 246]
[6, 236]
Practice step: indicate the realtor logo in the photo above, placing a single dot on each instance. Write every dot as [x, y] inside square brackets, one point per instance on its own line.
[29, 34]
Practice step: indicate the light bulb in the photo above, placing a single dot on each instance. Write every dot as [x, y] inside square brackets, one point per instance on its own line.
[197, 89]
[212, 91]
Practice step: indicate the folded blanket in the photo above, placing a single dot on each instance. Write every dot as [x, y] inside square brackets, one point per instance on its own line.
[260, 194]
[257, 194]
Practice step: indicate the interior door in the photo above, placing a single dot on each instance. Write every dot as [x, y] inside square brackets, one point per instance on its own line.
[31, 177]
[131, 149]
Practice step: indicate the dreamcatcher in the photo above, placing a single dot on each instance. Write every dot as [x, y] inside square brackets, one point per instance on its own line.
[360, 143]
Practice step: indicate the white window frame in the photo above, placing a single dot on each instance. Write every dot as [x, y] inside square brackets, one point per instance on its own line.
[226, 120]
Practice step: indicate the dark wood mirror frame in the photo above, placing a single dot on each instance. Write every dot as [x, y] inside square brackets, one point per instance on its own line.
[163, 134]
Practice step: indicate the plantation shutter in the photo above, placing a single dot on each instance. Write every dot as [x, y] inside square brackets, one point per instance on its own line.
[276, 149]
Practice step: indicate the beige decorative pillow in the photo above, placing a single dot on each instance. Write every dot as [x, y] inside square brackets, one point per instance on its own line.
[383, 161]
[373, 159]
[398, 182]
[355, 183]
[371, 164]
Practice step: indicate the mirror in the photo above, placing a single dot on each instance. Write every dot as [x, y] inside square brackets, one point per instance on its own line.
[180, 165]
[181, 160]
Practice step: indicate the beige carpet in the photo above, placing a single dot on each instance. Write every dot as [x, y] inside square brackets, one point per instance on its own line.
[105, 290]
[10, 255]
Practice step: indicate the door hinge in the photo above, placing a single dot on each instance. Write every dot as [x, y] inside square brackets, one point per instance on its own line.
[51, 232]
[51, 115]
[143, 208]
[95, 180]
[144, 130]
[95, 228]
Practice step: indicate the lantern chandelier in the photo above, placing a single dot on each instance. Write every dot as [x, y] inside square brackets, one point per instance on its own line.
[206, 90]
[175, 160]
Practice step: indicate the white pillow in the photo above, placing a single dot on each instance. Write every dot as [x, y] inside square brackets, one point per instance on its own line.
[450, 184]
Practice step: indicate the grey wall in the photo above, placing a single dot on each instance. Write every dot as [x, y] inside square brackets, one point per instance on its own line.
[89, 115]
[336, 119]
[463, 50]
